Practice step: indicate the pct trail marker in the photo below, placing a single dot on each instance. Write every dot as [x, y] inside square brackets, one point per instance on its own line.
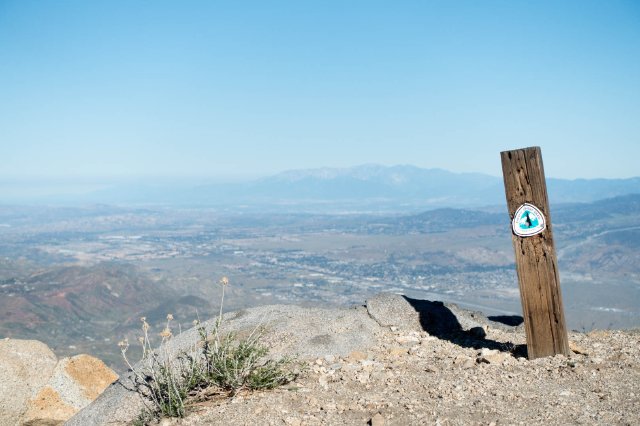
[536, 262]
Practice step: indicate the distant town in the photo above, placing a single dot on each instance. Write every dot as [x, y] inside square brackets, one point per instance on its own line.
[81, 277]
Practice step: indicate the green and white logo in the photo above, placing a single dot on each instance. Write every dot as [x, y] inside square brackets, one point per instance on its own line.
[528, 220]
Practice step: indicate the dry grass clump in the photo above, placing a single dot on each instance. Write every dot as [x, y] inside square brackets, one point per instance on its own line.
[218, 364]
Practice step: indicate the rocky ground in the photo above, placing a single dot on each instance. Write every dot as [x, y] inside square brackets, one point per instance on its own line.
[426, 363]
[412, 378]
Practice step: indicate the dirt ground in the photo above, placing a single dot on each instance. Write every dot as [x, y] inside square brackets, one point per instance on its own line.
[413, 378]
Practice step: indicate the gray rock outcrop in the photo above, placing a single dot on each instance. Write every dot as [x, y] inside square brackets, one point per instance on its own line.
[38, 389]
[307, 332]
[25, 368]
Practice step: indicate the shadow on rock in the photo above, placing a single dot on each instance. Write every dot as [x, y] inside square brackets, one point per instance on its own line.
[510, 320]
[440, 321]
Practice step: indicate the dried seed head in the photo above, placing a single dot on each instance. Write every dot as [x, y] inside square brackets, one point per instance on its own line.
[169, 317]
[166, 333]
[224, 281]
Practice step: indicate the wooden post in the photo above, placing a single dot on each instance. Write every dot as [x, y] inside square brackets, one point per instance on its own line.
[536, 262]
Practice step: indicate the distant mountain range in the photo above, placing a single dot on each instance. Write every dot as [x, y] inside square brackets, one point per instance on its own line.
[361, 188]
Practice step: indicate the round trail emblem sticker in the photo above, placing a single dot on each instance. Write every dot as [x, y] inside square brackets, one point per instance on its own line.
[528, 220]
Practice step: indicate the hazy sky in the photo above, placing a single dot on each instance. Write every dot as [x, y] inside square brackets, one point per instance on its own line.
[211, 88]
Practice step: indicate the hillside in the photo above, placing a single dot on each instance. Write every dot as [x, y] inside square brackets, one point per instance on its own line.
[80, 308]
[402, 361]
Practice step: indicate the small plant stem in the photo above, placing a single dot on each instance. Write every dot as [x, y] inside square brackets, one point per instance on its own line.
[221, 304]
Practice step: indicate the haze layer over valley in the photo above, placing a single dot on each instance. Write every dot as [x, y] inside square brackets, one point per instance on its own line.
[79, 278]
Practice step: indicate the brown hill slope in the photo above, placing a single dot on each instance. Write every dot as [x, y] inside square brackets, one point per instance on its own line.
[78, 308]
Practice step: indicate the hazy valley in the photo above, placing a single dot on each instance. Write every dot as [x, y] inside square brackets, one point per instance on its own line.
[80, 278]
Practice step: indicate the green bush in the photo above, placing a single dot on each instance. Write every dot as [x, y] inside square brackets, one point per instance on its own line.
[218, 364]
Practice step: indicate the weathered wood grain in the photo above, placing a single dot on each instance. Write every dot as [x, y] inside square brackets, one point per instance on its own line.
[536, 260]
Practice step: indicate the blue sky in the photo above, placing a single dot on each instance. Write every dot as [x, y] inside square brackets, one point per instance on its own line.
[148, 88]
